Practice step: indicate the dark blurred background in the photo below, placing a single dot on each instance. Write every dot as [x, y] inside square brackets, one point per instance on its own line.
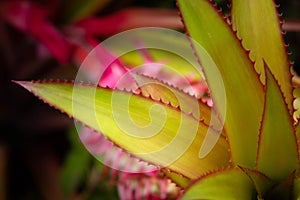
[36, 140]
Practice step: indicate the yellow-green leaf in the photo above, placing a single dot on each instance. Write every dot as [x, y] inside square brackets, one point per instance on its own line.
[180, 180]
[261, 182]
[284, 190]
[230, 184]
[278, 149]
[257, 24]
[296, 188]
[244, 91]
[151, 130]
[159, 90]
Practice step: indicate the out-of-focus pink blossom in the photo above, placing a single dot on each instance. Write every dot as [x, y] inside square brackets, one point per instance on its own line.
[114, 157]
[143, 186]
[130, 18]
[32, 20]
[135, 179]
[101, 65]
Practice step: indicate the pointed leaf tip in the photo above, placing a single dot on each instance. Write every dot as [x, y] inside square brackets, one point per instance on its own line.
[24, 84]
[284, 190]
[277, 141]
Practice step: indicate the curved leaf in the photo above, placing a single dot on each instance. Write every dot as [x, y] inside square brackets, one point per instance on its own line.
[228, 184]
[258, 26]
[277, 141]
[149, 129]
[244, 91]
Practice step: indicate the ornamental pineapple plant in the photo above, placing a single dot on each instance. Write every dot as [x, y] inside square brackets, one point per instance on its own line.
[249, 151]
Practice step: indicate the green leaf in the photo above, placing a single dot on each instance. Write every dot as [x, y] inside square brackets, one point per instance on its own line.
[296, 189]
[284, 190]
[261, 182]
[230, 184]
[151, 130]
[258, 26]
[180, 180]
[187, 103]
[244, 92]
[159, 90]
[277, 141]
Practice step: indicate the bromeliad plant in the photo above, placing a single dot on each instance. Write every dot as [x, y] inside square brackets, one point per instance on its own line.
[256, 156]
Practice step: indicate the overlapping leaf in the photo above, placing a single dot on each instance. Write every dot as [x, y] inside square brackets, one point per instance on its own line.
[258, 26]
[277, 142]
[180, 180]
[243, 89]
[284, 190]
[229, 184]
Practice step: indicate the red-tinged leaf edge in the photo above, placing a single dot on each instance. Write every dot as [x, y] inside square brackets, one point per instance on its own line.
[261, 192]
[283, 191]
[261, 184]
[23, 84]
[280, 23]
[178, 179]
[176, 88]
[164, 82]
[234, 33]
[263, 116]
